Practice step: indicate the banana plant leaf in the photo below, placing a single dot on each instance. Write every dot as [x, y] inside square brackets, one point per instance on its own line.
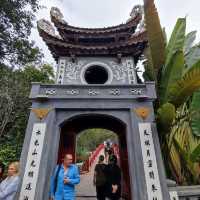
[155, 35]
[186, 86]
[195, 155]
[178, 133]
[189, 41]
[188, 148]
[149, 74]
[195, 109]
[172, 73]
[193, 56]
[176, 42]
[166, 115]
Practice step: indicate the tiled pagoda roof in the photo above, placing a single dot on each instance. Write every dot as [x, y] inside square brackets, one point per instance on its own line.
[110, 41]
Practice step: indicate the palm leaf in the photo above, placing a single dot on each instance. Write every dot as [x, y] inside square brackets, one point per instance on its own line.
[155, 35]
[195, 109]
[193, 56]
[176, 42]
[177, 133]
[186, 86]
[148, 74]
[172, 73]
[166, 115]
[195, 155]
[189, 40]
[186, 145]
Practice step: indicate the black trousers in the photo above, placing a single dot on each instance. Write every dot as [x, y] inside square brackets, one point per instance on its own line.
[114, 196]
[101, 192]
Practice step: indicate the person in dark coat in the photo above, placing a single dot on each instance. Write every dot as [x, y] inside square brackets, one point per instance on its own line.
[100, 178]
[113, 179]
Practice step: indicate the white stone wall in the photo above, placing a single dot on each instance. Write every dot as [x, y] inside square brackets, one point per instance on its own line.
[118, 73]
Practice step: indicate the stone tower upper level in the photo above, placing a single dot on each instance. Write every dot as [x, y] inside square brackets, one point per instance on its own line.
[95, 55]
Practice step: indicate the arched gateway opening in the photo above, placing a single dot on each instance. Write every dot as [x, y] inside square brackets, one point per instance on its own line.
[72, 127]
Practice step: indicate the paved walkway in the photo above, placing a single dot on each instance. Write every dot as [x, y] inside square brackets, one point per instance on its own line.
[86, 190]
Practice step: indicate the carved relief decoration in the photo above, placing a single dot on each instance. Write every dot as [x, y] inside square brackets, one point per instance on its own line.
[131, 71]
[72, 71]
[119, 71]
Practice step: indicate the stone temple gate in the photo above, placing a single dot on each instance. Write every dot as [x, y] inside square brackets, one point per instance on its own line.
[96, 87]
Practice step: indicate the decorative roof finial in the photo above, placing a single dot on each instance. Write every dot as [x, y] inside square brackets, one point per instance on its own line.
[56, 14]
[137, 10]
[46, 26]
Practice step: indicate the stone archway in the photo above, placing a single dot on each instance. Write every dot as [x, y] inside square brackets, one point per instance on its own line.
[73, 126]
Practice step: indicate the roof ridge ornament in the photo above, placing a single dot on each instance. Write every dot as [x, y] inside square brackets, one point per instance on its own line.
[46, 26]
[137, 10]
[57, 14]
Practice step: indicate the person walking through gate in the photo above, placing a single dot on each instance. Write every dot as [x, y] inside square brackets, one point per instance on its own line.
[99, 179]
[108, 150]
[113, 179]
[8, 187]
[63, 182]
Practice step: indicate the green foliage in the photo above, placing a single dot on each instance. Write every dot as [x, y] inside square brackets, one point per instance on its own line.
[195, 109]
[11, 148]
[185, 86]
[149, 74]
[189, 40]
[184, 149]
[155, 37]
[178, 82]
[192, 57]
[89, 139]
[16, 21]
[195, 155]
[173, 72]
[176, 42]
[14, 103]
[166, 114]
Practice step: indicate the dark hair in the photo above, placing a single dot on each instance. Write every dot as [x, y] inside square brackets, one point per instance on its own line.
[2, 166]
[101, 158]
[113, 159]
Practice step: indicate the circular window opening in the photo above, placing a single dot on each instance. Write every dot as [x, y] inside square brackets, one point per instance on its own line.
[96, 75]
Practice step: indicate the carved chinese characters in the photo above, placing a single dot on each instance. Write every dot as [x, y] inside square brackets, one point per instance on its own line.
[150, 164]
[61, 72]
[33, 162]
[131, 71]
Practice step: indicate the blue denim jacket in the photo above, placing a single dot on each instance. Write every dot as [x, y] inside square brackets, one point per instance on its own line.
[8, 188]
[65, 191]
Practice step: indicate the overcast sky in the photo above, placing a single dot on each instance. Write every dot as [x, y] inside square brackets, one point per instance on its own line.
[102, 13]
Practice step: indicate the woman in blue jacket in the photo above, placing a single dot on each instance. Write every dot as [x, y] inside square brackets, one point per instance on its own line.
[63, 182]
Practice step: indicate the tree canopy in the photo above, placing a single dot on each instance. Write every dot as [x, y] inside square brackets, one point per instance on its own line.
[14, 105]
[16, 22]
